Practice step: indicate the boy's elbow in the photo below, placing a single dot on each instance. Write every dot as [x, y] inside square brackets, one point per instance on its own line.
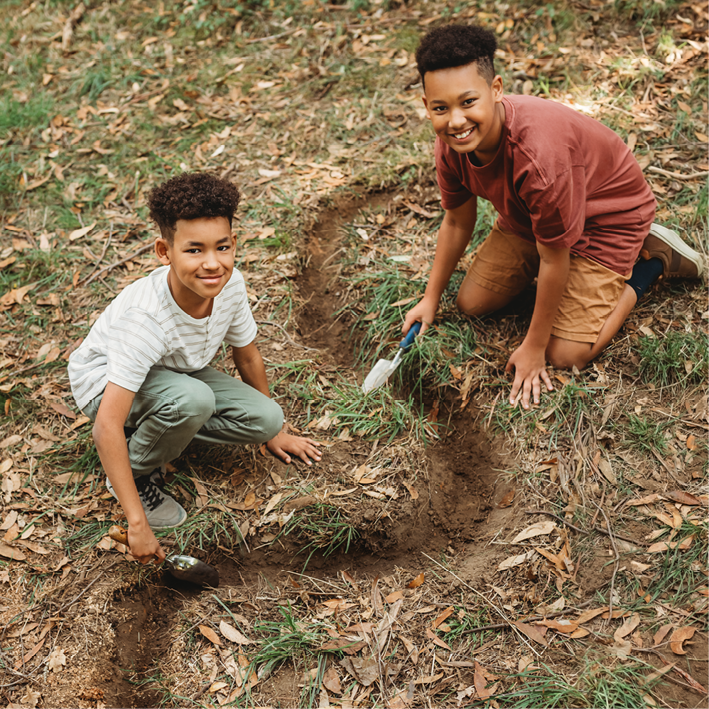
[97, 432]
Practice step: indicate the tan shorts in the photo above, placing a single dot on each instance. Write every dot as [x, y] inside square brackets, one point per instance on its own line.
[507, 264]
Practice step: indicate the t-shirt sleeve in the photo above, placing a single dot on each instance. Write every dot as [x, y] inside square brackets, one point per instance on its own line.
[135, 343]
[242, 330]
[453, 191]
[558, 209]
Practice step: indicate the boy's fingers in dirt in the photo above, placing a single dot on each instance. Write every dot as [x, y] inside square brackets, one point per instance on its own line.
[547, 380]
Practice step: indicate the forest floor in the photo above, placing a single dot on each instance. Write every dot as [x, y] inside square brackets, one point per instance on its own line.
[448, 550]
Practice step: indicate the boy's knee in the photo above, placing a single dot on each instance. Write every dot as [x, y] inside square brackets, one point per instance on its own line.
[269, 419]
[195, 400]
[562, 356]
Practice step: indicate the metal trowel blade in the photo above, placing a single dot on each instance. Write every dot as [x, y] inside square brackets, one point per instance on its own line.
[378, 376]
[187, 568]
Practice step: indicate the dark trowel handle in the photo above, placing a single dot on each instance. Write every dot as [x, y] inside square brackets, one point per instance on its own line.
[181, 566]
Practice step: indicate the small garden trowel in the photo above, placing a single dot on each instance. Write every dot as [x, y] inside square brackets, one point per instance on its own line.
[185, 568]
[384, 368]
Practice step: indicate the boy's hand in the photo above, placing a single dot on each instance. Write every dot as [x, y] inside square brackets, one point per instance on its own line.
[529, 364]
[143, 545]
[424, 312]
[303, 448]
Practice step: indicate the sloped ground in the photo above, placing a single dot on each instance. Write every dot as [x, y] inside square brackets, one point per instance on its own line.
[392, 572]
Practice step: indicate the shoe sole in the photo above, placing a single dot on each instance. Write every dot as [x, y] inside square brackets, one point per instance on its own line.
[674, 241]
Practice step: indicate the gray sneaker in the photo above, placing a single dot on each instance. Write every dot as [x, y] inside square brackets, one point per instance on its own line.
[162, 511]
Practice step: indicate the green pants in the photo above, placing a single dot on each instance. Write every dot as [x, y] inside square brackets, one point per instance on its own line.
[172, 409]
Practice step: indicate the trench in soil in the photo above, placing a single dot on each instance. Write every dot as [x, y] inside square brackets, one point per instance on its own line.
[457, 509]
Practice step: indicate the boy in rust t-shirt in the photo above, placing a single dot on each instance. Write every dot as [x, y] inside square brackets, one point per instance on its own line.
[574, 211]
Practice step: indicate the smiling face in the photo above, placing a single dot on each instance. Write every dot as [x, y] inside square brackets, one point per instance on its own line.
[201, 260]
[466, 112]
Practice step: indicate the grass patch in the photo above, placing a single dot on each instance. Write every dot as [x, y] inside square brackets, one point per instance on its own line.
[676, 358]
[378, 414]
[598, 684]
[325, 529]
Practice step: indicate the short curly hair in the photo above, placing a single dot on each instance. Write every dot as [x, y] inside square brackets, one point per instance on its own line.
[192, 195]
[455, 45]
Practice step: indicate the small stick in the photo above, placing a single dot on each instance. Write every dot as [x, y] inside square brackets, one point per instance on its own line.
[678, 175]
[617, 558]
[100, 258]
[111, 266]
[272, 36]
[288, 337]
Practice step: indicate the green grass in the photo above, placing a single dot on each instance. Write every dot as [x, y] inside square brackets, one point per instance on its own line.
[645, 434]
[323, 527]
[600, 683]
[286, 639]
[682, 571]
[378, 414]
[676, 358]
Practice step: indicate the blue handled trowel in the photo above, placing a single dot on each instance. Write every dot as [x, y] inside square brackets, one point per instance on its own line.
[384, 368]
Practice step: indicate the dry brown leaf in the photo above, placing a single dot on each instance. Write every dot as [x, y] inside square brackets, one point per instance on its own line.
[436, 640]
[210, 634]
[412, 491]
[664, 546]
[447, 613]
[393, 597]
[684, 498]
[232, 634]
[661, 633]
[678, 637]
[605, 467]
[563, 626]
[627, 627]
[11, 553]
[512, 561]
[535, 530]
[331, 681]
[57, 659]
[480, 682]
[508, 499]
[590, 614]
[415, 583]
[78, 233]
[531, 632]
[647, 500]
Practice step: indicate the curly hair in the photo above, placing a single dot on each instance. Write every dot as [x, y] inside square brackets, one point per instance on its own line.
[455, 45]
[192, 195]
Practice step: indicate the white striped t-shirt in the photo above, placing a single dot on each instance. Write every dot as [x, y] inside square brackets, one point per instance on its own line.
[144, 327]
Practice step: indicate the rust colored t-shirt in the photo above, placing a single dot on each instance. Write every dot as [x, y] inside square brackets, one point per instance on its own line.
[560, 178]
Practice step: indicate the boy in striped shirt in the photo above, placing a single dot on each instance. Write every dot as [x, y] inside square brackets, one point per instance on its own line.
[145, 363]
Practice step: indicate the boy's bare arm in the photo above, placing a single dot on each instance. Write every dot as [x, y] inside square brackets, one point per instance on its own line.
[529, 359]
[250, 364]
[453, 237]
[113, 450]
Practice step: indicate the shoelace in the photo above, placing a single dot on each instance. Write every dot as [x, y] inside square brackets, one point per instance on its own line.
[150, 493]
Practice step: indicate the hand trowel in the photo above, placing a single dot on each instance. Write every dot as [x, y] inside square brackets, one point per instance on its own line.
[384, 368]
[181, 566]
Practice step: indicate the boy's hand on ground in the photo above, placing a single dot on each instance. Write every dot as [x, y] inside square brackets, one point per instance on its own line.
[530, 366]
[285, 443]
[423, 312]
[143, 545]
